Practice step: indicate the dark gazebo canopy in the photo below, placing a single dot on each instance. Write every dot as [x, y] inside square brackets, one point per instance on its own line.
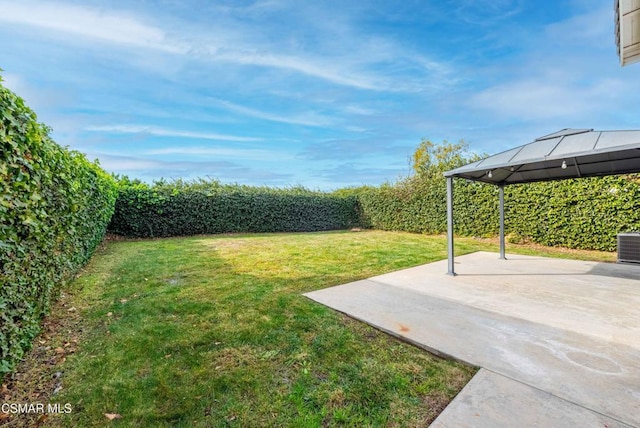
[569, 153]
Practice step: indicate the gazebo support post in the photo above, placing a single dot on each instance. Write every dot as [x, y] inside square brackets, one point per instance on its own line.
[501, 197]
[451, 270]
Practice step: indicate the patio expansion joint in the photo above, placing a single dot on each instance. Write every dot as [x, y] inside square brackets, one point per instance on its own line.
[553, 395]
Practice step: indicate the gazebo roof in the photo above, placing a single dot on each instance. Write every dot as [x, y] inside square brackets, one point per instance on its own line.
[569, 153]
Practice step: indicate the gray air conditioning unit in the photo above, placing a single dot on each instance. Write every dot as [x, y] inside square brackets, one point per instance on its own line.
[629, 247]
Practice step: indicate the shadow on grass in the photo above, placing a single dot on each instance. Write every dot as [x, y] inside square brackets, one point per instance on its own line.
[184, 335]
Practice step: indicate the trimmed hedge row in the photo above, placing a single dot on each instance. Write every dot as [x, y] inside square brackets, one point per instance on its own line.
[54, 209]
[203, 207]
[583, 213]
[419, 205]
[586, 213]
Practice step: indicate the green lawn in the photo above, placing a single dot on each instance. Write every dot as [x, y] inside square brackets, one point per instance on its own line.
[213, 331]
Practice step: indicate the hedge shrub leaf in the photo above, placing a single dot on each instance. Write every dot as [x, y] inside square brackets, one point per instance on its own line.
[54, 209]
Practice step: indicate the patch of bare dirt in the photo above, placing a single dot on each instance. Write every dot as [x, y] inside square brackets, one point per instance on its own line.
[40, 375]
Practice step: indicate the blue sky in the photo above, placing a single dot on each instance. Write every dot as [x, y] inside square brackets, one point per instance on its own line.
[324, 94]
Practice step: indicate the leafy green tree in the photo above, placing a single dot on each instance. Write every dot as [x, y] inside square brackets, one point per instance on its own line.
[418, 202]
[431, 160]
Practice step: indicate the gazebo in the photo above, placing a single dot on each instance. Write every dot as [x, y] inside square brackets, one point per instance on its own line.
[569, 153]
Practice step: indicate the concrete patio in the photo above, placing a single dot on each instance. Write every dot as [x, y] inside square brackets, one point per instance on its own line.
[558, 341]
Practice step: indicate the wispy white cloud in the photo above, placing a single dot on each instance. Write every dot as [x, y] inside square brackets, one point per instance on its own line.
[359, 174]
[307, 119]
[485, 12]
[584, 30]
[533, 99]
[124, 164]
[335, 73]
[187, 169]
[254, 154]
[109, 26]
[166, 132]
[358, 110]
[366, 63]
[562, 77]
[360, 148]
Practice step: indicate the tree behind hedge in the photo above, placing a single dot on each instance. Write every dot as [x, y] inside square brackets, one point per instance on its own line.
[583, 213]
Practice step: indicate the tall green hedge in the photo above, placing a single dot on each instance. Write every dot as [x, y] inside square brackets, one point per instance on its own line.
[582, 213]
[419, 205]
[54, 209]
[181, 208]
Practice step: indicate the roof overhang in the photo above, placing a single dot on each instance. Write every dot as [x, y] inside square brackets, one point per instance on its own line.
[570, 153]
[627, 16]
